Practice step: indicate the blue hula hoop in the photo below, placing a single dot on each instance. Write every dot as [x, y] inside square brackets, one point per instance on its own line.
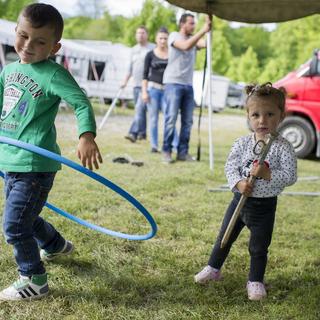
[97, 177]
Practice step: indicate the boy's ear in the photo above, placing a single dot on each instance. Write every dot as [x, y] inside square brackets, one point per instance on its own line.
[56, 48]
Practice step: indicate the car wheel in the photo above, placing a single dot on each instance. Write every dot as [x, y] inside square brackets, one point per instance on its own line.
[300, 133]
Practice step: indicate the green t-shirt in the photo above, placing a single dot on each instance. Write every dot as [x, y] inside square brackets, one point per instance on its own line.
[29, 102]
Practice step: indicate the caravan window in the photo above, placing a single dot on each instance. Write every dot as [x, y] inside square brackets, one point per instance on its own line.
[10, 54]
[95, 70]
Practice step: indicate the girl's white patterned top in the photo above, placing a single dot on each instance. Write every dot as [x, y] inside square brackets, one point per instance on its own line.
[281, 159]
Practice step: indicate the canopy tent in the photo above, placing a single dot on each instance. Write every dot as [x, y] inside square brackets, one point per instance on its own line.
[249, 11]
[252, 11]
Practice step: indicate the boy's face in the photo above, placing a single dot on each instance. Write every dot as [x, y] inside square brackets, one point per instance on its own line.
[34, 44]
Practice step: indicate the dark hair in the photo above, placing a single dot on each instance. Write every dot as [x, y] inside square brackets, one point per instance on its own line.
[142, 27]
[163, 30]
[183, 18]
[41, 14]
[266, 90]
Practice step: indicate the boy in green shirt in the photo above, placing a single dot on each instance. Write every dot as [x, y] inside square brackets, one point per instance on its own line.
[30, 93]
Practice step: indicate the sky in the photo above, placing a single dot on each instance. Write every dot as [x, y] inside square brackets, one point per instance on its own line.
[126, 8]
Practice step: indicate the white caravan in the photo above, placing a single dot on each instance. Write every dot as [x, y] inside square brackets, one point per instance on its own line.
[219, 90]
[98, 66]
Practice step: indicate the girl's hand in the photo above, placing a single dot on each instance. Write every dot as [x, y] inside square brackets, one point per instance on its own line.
[245, 187]
[145, 97]
[88, 151]
[261, 171]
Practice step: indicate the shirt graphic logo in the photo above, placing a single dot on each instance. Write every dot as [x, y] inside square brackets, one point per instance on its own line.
[245, 171]
[22, 108]
[11, 97]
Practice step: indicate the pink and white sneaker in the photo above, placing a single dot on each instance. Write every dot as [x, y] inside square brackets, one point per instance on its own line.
[206, 274]
[256, 290]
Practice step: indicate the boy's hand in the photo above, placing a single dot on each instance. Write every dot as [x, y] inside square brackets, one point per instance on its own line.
[88, 151]
[261, 171]
[245, 187]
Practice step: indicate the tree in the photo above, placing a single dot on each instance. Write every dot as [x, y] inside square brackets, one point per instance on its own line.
[246, 69]
[74, 27]
[221, 54]
[271, 72]
[153, 15]
[106, 28]
[250, 36]
[10, 9]
[293, 42]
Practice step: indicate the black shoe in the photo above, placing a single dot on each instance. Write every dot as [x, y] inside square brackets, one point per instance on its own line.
[186, 157]
[131, 137]
[142, 137]
[154, 150]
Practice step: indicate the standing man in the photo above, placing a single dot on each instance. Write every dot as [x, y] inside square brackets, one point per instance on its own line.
[138, 53]
[178, 91]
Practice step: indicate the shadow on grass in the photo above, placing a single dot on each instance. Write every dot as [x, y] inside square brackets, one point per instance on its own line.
[154, 291]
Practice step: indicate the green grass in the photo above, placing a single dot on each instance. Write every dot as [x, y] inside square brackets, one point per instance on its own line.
[111, 278]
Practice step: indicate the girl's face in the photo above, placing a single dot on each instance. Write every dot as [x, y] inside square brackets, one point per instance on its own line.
[264, 116]
[162, 40]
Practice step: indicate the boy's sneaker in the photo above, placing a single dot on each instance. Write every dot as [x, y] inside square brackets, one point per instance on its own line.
[206, 274]
[26, 288]
[67, 249]
[256, 290]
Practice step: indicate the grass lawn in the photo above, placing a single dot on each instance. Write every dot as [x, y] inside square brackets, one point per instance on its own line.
[111, 278]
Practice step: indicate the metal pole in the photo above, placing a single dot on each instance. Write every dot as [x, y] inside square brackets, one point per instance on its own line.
[113, 104]
[2, 57]
[209, 91]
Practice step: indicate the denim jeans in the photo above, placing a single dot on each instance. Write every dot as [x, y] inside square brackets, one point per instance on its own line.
[139, 124]
[156, 105]
[258, 215]
[178, 97]
[26, 194]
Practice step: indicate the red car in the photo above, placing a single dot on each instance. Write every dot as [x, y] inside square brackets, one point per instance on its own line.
[302, 124]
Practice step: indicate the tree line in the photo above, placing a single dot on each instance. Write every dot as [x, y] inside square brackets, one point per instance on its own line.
[249, 53]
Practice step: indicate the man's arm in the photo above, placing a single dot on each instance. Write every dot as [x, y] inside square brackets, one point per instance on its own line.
[125, 81]
[189, 43]
[147, 63]
[129, 73]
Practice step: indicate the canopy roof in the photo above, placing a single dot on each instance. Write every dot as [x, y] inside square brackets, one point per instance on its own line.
[252, 11]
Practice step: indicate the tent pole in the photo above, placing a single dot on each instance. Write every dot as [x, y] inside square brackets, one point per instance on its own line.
[2, 58]
[209, 92]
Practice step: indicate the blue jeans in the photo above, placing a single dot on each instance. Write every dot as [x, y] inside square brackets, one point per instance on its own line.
[139, 124]
[156, 105]
[258, 215]
[26, 194]
[178, 97]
